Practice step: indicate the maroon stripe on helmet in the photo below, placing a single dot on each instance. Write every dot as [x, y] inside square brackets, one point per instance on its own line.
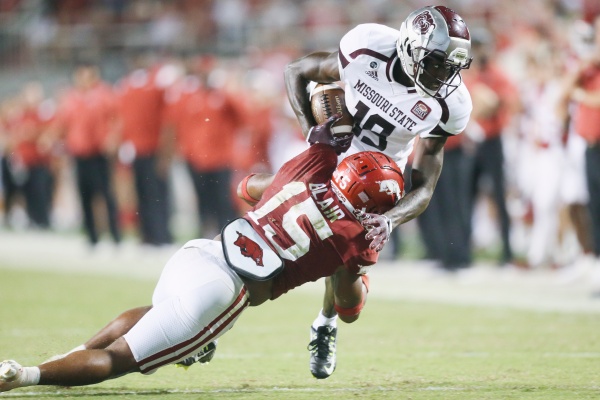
[456, 26]
[343, 60]
[445, 110]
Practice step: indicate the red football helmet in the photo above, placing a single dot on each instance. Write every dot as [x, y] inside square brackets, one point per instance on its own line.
[368, 181]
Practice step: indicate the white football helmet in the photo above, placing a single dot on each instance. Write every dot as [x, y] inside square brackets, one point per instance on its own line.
[434, 45]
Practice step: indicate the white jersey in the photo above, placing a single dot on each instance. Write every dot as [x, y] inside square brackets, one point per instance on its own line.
[389, 114]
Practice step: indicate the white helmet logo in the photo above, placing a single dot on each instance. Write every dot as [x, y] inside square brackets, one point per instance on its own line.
[389, 186]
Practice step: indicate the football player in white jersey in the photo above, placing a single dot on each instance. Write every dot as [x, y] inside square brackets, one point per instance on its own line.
[399, 85]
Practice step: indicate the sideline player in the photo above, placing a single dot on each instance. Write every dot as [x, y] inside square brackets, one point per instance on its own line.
[399, 85]
[305, 227]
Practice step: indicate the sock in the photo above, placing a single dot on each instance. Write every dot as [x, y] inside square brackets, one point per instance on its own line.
[324, 321]
[29, 377]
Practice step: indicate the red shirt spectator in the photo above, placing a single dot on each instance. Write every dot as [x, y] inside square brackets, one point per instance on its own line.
[206, 122]
[140, 108]
[491, 77]
[87, 115]
[27, 131]
[587, 117]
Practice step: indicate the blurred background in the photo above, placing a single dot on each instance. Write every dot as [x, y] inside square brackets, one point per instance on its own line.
[133, 121]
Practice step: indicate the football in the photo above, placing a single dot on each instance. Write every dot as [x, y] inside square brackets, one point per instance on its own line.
[327, 99]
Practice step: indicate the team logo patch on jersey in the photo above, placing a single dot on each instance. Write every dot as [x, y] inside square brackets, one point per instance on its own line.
[421, 110]
[249, 248]
[373, 74]
[247, 253]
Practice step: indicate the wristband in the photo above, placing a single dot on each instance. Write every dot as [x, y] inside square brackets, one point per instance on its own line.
[245, 195]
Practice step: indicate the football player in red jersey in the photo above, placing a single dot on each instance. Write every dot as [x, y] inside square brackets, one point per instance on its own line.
[399, 85]
[305, 227]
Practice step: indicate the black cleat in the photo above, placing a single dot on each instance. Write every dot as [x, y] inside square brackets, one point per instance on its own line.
[322, 351]
[203, 357]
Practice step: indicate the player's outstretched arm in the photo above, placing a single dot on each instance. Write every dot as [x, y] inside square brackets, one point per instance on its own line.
[429, 156]
[319, 67]
[252, 187]
[427, 166]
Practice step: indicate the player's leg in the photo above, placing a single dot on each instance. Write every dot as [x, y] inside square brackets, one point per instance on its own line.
[323, 336]
[201, 300]
[79, 368]
[350, 293]
[580, 218]
[111, 332]
[345, 295]
[197, 299]
[116, 328]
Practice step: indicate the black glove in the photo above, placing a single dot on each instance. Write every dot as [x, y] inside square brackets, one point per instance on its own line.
[323, 134]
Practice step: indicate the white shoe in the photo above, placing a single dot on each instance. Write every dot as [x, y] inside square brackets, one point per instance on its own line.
[10, 375]
[577, 271]
[595, 280]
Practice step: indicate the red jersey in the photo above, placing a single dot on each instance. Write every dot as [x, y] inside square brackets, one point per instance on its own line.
[256, 137]
[206, 122]
[305, 223]
[141, 107]
[28, 129]
[499, 83]
[86, 117]
[587, 119]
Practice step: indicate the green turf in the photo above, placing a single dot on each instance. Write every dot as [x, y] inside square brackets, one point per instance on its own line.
[396, 350]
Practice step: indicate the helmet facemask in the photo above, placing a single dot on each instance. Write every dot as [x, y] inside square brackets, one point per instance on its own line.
[434, 74]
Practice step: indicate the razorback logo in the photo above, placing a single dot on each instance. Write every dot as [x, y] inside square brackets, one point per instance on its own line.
[390, 187]
[421, 110]
[423, 22]
[250, 249]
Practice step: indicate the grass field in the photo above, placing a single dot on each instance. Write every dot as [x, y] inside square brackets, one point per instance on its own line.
[398, 349]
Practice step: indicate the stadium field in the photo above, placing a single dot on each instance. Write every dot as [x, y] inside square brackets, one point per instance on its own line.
[423, 337]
